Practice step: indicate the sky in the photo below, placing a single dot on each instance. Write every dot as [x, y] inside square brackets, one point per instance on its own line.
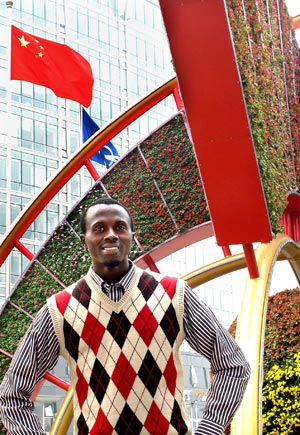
[293, 7]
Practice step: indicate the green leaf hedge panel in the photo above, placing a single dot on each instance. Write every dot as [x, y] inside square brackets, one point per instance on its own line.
[171, 159]
[34, 287]
[13, 325]
[64, 256]
[4, 363]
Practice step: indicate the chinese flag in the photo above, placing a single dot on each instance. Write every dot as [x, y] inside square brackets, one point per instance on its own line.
[50, 64]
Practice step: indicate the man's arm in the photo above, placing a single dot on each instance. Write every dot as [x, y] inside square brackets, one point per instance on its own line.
[230, 370]
[36, 354]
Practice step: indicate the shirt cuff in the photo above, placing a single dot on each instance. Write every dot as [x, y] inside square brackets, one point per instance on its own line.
[207, 427]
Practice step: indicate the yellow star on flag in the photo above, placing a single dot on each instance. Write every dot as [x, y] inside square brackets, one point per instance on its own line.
[23, 41]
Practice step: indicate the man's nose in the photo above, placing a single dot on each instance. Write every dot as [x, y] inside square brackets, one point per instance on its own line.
[111, 234]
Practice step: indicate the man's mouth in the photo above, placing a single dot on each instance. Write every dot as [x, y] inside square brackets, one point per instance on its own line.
[110, 249]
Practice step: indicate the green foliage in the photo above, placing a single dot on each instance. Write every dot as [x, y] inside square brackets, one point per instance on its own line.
[13, 325]
[34, 287]
[171, 160]
[64, 255]
[281, 391]
[268, 60]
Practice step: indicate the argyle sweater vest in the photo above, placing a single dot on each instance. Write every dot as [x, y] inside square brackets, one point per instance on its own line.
[124, 356]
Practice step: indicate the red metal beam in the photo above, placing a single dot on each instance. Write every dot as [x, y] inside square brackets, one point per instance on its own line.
[209, 81]
[25, 251]
[92, 170]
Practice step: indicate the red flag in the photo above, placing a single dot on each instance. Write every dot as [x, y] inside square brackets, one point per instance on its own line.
[50, 64]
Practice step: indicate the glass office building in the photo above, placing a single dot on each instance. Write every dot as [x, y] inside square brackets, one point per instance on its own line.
[126, 45]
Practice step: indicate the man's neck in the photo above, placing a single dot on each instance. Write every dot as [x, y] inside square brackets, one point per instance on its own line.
[113, 274]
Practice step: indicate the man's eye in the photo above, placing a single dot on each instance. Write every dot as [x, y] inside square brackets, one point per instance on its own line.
[99, 228]
[121, 227]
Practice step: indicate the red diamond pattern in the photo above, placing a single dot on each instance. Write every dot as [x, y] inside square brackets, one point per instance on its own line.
[92, 332]
[102, 425]
[146, 324]
[124, 383]
[169, 374]
[155, 422]
[169, 285]
[62, 300]
[81, 388]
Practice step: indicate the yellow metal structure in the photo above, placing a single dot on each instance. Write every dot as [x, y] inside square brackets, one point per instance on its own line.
[64, 416]
[250, 326]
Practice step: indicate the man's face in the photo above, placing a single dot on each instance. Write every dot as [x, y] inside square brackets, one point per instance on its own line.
[108, 239]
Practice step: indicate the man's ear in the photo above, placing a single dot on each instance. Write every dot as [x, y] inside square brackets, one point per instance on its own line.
[82, 238]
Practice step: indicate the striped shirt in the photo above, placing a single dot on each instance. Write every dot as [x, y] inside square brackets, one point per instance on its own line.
[38, 353]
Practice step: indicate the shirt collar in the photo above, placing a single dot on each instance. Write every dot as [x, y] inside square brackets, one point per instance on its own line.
[124, 281]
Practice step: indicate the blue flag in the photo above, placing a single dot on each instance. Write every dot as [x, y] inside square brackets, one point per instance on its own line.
[108, 154]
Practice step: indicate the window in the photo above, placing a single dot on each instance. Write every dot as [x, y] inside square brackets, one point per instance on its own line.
[49, 415]
[17, 265]
[82, 23]
[17, 204]
[44, 224]
[3, 175]
[30, 172]
[2, 213]
[27, 132]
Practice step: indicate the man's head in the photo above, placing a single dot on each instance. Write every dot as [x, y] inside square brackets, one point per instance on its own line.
[104, 200]
[107, 233]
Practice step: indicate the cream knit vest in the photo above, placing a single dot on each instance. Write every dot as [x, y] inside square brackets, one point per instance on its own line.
[124, 357]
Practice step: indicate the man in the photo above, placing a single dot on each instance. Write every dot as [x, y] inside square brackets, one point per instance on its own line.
[120, 329]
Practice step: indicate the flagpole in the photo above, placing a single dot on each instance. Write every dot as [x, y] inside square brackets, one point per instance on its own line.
[8, 127]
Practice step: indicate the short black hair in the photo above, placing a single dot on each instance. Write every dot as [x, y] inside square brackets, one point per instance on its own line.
[103, 200]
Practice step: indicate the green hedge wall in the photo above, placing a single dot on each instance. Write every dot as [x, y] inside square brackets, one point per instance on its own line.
[268, 59]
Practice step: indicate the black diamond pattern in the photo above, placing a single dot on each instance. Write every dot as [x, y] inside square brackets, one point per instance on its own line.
[82, 426]
[99, 380]
[82, 293]
[150, 373]
[118, 326]
[128, 423]
[147, 285]
[170, 325]
[177, 421]
[71, 340]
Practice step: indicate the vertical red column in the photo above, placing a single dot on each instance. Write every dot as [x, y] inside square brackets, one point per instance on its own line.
[206, 68]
